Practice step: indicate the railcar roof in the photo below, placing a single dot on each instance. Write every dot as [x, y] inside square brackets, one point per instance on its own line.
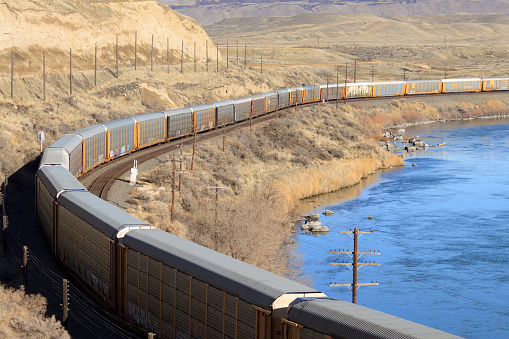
[57, 179]
[461, 80]
[202, 107]
[238, 278]
[333, 85]
[241, 100]
[90, 131]
[423, 81]
[178, 111]
[149, 116]
[346, 320]
[68, 141]
[495, 78]
[95, 211]
[118, 123]
[223, 103]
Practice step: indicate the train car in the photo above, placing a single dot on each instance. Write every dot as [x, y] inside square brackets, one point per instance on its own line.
[495, 84]
[388, 88]
[295, 96]
[87, 232]
[50, 182]
[93, 146]
[55, 156]
[310, 94]
[271, 101]
[258, 105]
[150, 129]
[332, 318]
[423, 87]
[332, 92]
[358, 90]
[283, 96]
[461, 85]
[72, 144]
[204, 117]
[180, 122]
[179, 289]
[242, 108]
[225, 112]
[121, 138]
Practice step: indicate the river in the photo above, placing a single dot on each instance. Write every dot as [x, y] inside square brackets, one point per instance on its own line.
[442, 228]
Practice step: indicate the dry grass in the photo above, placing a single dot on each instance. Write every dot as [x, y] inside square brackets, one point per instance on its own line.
[23, 316]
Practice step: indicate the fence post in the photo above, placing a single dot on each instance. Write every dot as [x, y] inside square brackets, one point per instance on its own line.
[25, 262]
[12, 73]
[70, 71]
[65, 303]
[44, 75]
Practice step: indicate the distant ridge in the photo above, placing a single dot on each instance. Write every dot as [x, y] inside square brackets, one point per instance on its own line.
[207, 12]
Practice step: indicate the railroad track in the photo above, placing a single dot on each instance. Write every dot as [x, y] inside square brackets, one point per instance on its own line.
[100, 180]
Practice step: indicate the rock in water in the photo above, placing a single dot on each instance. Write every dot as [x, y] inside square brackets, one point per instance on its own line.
[320, 229]
[327, 213]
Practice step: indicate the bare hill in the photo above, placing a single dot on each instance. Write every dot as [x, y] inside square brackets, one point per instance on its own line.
[29, 26]
[211, 11]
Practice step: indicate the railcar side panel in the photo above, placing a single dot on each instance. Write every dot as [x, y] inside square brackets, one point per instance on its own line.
[358, 90]
[225, 112]
[423, 87]
[295, 96]
[121, 137]
[205, 117]
[310, 94]
[93, 145]
[332, 91]
[151, 129]
[85, 250]
[258, 105]
[271, 101]
[180, 123]
[171, 303]
[45, 209]
[392, 88]
[242, 109]
[283, 98]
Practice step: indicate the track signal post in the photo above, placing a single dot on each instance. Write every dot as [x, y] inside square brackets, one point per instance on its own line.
[355, 264]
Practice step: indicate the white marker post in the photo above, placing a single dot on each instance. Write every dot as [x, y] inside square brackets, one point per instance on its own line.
[134, 173]
[41, 137]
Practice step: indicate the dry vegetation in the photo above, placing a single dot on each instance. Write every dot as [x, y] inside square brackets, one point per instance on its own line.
[23, 316]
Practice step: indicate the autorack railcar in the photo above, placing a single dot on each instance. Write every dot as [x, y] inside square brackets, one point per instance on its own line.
[204, 117]
[258, 104]
[332, 92]
[121, 138]
[423, 87]
[310, 94]
[180, 122]
[358, 90]
[225, 112]
[461, 85]
[284, 96]
[151, 129]
[243, 109]
[495, 84]
[387, 88]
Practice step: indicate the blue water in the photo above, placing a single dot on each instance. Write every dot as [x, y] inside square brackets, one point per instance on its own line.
[442, 228]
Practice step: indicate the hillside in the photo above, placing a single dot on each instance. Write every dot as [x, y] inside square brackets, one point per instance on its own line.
[29, 26]
[211, 11]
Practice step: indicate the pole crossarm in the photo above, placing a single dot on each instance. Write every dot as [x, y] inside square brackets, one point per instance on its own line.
[350, 264]
[372, 253]
[359, 232]
[359, 284]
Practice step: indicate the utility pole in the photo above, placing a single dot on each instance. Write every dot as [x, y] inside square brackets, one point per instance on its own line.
[355, 255]
[65, 302]
[217, 189]
[173, 189]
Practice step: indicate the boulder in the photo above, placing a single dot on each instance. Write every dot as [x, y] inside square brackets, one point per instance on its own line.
[410, 149]
[313, 217]
[327, 213]
[401, 131]
[310, 225]
[419, 143]
[320, 229]
[398, 137]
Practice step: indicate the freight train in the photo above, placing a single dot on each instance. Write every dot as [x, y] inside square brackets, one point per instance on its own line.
[173, 287]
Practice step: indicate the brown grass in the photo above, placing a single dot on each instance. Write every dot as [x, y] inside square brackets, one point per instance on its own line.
[22, 316]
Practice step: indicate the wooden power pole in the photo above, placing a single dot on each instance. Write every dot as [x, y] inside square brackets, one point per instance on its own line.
[355, 264]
